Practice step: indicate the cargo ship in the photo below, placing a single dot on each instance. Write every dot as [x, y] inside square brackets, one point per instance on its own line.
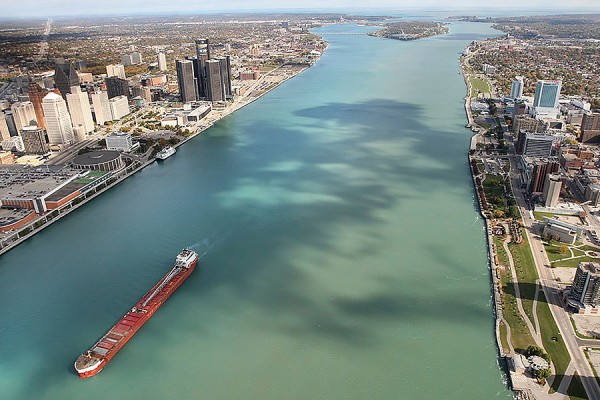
[165, 153]
[100, 354]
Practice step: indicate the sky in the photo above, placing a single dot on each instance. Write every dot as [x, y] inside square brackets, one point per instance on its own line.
[45, 8]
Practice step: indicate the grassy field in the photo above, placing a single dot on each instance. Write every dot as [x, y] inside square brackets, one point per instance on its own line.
[556, 349]
[526, 273]
[539, 216]
[574, 262]
[576, 391]
[500, 252]
[480, 86]
[520, 336]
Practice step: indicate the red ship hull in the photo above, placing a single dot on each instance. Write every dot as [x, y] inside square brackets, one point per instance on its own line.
[108, 346]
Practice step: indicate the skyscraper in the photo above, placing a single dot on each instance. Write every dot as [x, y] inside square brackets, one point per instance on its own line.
[162, 62]
[4, 132]
[119, 107]
[551, 191]
[216, 91]
[186, 80]
[23, 114]
[203, 55]
[117, 70]
[116, 87]
[80, 110]
[101, 107]
[225, 66]
[65, 77]
[126, 60]
[36, 94]
[590, 128]
[540, 170]
[34, 140]
[586, 285]
[516, 89]
[136, 58]
[197, 74]
[58, 121]
[547, 94]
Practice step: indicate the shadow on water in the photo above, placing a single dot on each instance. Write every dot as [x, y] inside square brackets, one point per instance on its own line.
[287, 188]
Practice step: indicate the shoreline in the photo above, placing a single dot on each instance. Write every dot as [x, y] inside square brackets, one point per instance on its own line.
[491, 253]
[51, 217]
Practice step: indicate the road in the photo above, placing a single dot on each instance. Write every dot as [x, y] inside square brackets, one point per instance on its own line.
[552, 292]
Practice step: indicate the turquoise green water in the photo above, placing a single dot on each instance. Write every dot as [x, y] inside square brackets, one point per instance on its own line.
[343, 257]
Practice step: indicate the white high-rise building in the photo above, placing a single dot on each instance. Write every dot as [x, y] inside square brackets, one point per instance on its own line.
[101, 107]
[79, 107]
[516, 89]
[545, 99]
[117, 70]
[4, 131]
[119, 107]
[58, 120]
[23, 115]
[162, 62]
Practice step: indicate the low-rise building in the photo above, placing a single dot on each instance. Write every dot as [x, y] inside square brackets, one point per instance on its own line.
[121, 142]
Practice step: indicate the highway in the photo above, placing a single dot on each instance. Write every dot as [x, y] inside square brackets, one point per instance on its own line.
[552, 292]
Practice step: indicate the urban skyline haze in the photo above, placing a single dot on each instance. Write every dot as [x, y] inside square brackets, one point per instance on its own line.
[71, 7]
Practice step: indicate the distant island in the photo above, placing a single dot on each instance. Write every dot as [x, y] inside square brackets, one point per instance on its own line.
[411, 30]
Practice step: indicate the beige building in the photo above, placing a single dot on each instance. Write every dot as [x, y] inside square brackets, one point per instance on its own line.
[80, 110]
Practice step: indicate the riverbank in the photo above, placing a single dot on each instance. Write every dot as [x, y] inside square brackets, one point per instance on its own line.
[270, 80]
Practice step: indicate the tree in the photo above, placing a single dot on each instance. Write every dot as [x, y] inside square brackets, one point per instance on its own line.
[563, 249]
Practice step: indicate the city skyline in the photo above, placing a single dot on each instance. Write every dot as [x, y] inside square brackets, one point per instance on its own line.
[112, 7]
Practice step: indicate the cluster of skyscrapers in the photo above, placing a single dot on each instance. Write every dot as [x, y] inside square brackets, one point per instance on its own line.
[203, 77]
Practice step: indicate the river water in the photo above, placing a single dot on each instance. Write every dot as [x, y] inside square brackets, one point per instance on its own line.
[342, 254]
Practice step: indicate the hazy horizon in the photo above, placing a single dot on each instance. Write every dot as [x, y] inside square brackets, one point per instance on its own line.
[65, 8]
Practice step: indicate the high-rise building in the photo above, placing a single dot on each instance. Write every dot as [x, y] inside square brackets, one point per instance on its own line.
[34, 140]
[545, 99]
[10, 122]
[58, 120]
[65, 77]
[80, 110]
[586, 285]
[225, 66]
[202, 48]
[23, 114]
[101, 107]
[136, 58]
[116, 87]
[551, 191]
[126, 60]
[216, 91]
[529, 124]
[197, 73]
[202, 55]
[36, 94]
[186, 80]
[162, 62]
[117, 70]
[540, 170]
[516, 89]
[535, 144]
[119, 107]
[80, 65]
[4, 131]
[590, 128]
[142, 91]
